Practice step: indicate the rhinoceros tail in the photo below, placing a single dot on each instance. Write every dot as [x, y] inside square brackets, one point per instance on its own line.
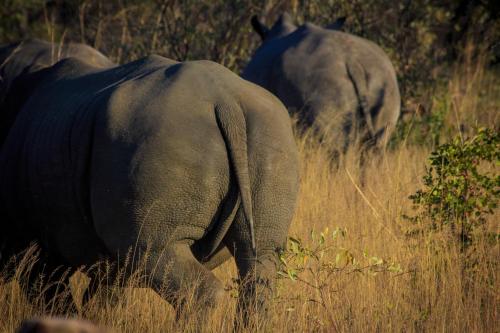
[232, 124]
[357, 75]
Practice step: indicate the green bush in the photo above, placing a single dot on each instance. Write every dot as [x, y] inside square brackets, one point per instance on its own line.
[460, 188]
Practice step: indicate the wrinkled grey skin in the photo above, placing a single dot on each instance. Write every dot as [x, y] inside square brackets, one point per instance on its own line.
[178, 158]
[30, 55]
[341, 85]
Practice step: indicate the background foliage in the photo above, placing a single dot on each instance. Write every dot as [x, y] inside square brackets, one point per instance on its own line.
[458, 193]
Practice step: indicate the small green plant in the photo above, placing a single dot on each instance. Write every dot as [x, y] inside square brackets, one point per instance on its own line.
[323, 257]
[460, 187]
[316, 263]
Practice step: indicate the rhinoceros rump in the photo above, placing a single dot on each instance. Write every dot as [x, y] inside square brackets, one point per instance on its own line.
[340, 85]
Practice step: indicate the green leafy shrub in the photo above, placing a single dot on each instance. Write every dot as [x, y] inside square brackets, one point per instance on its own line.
[323, 255]
[314, 264]
[460, 189]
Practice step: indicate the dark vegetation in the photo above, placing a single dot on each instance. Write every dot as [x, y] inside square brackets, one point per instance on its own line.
[422, 37]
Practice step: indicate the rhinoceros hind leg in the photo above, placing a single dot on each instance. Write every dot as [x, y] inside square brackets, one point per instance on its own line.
[177, 272]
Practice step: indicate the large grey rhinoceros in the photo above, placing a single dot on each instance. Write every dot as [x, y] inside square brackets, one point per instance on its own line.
[185, 161]
[342, 86]
[30, 55]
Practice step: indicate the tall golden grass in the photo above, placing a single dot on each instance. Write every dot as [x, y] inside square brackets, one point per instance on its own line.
[430, 292]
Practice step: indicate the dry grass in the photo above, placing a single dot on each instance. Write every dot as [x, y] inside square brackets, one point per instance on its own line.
[433, 292]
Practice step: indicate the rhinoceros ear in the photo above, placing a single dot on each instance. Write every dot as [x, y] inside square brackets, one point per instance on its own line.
[282, 27]
[259, 27]
[338, 24]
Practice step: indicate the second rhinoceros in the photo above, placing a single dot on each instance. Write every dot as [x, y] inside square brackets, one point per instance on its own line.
[341, 85]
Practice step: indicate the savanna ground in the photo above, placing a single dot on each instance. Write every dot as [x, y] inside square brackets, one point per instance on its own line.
[355, 260]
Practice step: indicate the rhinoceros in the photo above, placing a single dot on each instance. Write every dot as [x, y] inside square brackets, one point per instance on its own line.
[342, 86]
[30, 55]
[186, 162]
